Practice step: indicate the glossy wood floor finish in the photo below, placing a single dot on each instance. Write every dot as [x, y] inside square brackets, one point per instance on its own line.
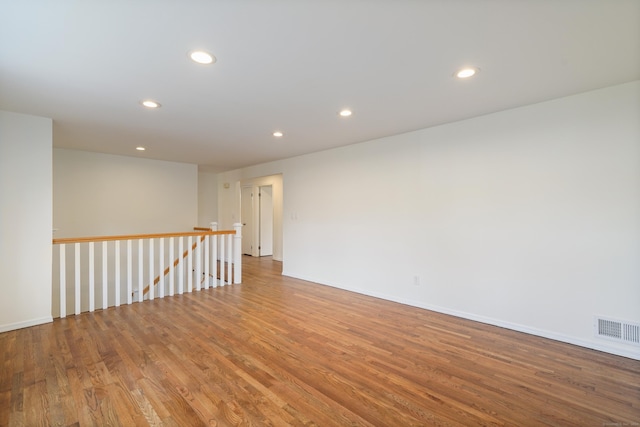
[276, 351]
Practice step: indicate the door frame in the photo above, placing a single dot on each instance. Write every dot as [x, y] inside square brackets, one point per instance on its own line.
[265, 220]
[277, 184]
[248, 220]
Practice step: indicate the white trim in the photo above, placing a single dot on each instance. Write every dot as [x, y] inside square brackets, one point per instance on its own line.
[630, 353]
[25, 324]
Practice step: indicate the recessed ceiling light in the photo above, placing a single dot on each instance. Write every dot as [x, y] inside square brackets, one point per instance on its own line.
[278, 134]
[465, 73]
[202, 57]
[345, 113]
[150, 104]
[140, 148]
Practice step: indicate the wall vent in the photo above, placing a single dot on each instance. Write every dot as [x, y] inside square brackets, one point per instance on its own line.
[617, 330]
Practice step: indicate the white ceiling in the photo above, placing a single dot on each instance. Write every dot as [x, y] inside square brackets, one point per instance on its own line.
[291, 65]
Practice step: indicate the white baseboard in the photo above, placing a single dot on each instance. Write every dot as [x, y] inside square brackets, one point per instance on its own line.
[630, 353]
[25, 324]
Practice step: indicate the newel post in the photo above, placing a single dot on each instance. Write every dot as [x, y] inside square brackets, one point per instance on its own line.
[237, 253]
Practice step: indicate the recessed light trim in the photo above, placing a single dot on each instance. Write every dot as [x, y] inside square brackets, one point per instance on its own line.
[465, 73]
[278, 134]
[140, 148]
[202, 57]
[149, 103]
[345, 113]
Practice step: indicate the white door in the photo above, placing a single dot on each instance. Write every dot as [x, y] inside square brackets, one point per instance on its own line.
[246, 206]
[265, 247]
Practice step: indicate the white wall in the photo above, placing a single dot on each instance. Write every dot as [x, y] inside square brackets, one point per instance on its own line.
[25, 220]
[207, 198]
[103, 194]
[527, 218]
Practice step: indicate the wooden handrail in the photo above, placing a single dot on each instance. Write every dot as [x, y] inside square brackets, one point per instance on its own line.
[139, 236]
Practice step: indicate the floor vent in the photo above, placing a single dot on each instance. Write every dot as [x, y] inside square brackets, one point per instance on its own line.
[617, 330]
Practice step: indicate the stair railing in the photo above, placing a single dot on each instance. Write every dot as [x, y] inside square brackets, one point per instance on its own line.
[195, 269]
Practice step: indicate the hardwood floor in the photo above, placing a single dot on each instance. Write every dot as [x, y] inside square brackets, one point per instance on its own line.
[276, 351]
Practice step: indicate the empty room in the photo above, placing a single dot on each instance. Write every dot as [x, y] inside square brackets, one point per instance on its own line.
[273, 213]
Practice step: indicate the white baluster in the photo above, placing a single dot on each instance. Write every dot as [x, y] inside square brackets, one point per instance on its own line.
[77, 277]
[105, 277]
[190, 264]
[129, 273]
[222, 253]
[198, 263]
[63, 282]
[229, 257]
[171, 258]
[237, 253]
[117, 273]
[140, 270]
[151, 274]
[206, 262]
[214, 254]
[180, 265]
[161, 269]
[92, 285]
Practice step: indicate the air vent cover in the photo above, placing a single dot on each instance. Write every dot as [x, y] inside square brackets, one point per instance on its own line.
[617, 330]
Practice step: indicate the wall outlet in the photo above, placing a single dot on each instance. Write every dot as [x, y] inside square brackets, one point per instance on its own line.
[416, 280]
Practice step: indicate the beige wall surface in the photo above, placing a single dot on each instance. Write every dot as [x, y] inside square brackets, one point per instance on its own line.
[527, 218]
[103, 194]
[25, 220]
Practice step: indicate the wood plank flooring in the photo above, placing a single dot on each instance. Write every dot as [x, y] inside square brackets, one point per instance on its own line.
[276, 351]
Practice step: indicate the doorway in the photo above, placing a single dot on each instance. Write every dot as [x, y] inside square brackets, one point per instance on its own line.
[246, 213]
[256, 204]
[265, 212]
